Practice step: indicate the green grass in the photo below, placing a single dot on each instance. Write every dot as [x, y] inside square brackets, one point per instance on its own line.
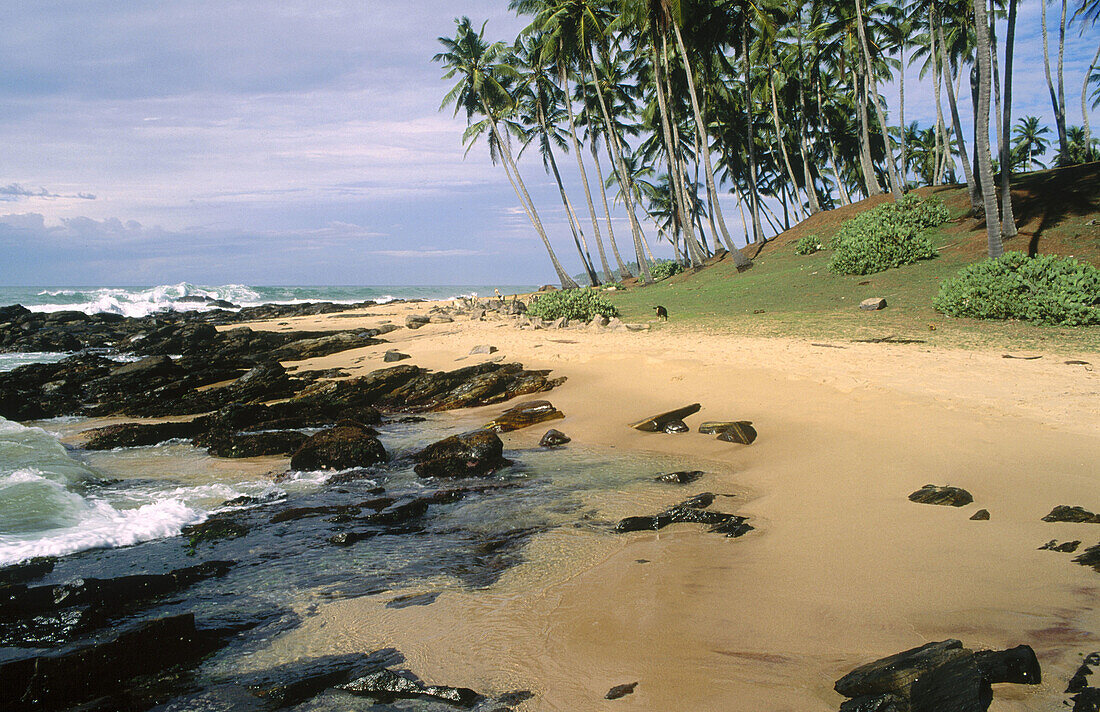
[786, 294]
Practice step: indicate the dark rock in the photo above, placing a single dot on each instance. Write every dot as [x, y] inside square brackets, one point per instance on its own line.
[323, 345]
[680, 478]
[1016, 665]
[620, 691]
[982, 515]
[1064, 548]
[386, 686]
[478, 453]
[525, 415]
[1080, 679]
[714, 427]
[1090, 557]
[875, 703]
[415, 321]
[739, 432]
[1065, 513]
[392, 356]
[691, 510]
[1087, 700]
[675, 426]
[217, 527]
[151, 365]
[342, 447]
[26, 571]
[141, 434]
[420, 599]
[946, 495]
[896, 673]
[280, 442]
[553, 438]
[657, 423]
[290, 684]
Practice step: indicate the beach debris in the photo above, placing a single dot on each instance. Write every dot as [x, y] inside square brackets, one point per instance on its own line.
[1021, 358]
[873, 304]
[478, 453]
[692, 510]
[657, 423]
[740, 432]
[680, 478]
[553, 438]
[982, 515]
[524, 415]
[942, 676]
[293, 683]
[394, 355]
[1077, 515]
[943, 495]
[888, 340]
[386, 686]
[620, 691]
[483, 349]
[346, 445]
[1064, 548]
[415, 321]
[829, 346]
[1077, 362]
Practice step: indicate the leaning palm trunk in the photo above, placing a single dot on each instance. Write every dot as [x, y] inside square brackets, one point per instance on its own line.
[578, 236]
[901, 118]
[750, 140]
[936, 81]
[779, 138]
[1084, 92]
[891, 166]
[624, 178]
[972, 186]
[1059, 106]
[981, 138]
[624, 273]
[1008, 219]
[866, 163]
[584, 177]
[693, 248]
[704, 147]
[998, 115]
[525, 200]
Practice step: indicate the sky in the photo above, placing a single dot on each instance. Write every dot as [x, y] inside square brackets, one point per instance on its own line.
[290, 142]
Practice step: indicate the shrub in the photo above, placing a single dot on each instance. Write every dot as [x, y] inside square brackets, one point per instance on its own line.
[1043, 290]
[665, 269]
[888, 236]
[808, 245]
[582, 304]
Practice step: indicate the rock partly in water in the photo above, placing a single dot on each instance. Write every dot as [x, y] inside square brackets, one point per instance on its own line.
[141, 434]
[342, 447]
[524, 415]
[387, 686]
[680, 478]
[290, 684]
[657, 423]
[276, 442]
[478, 453]
[739, 432]
[692, 510]
[553, 438]
[1066, 513]
[943, 495]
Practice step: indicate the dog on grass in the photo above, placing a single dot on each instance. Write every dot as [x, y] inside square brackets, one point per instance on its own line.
[662, 313]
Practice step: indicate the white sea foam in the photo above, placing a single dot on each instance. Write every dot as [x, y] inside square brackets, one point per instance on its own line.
[142, 302]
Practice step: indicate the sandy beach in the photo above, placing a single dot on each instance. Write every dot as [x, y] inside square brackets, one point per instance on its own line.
[841, 568]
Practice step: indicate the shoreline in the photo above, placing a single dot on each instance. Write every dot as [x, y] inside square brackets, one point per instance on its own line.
[842, 569]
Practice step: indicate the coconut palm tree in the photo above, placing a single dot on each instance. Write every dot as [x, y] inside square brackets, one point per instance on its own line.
[1008, 219]
[1057, 97]
[481, 91]
[981, 138]
[1029, 140]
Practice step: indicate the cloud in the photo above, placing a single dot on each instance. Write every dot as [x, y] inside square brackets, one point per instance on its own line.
[15, 191]
[428, 254]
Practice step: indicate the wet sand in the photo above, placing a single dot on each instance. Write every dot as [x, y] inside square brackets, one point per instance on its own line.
[841, 568]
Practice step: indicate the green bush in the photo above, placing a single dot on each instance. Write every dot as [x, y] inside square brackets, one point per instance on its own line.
[665, 269]
[808, 245]
[1044, 290]
[888, 236]
[581, 304]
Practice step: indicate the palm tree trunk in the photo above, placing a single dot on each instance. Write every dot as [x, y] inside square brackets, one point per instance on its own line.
[891, 164]
[525, 199]
[584, 176]
[971, 184]
[901, 116]
[866, 163]
[678, 188]
[1008, 219]
[997, 109]
[740, 260]
[937, 80]
[624, 178]
[569, 214]
[1084, 93]
[842, 190]
[1059, 113]
[981, 138]
[750, 139]
[624, 273]
[779, 136]
[807, 172]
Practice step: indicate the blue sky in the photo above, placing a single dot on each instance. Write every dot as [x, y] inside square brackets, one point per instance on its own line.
[285, 143]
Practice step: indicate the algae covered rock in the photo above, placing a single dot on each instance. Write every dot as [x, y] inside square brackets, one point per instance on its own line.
[348, 444]
[478, 453]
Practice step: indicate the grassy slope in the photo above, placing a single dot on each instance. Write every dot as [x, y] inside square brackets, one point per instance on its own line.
[785, 294]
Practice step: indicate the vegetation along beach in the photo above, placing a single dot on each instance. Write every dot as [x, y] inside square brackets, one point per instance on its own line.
[550, 355]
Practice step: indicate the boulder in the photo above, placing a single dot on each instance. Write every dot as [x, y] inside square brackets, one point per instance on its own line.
[657, 423]
[598, 322]
[415, 321]
[680, 478]
[524, 415]
[393, 355]
[873, 304]
[943, 495]
[274, 442]
[982, 515]
[323, 345]
[483, 349]
[347, 445]
[1066, 513]
[141, 434]
[1090, 557]
[149, 366]
[740, 432]
[620, 691]
[387, 686]
[478, 453]
[553, 438]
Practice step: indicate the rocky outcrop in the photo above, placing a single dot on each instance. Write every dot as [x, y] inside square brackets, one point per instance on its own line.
[387, 686]
[347, 445]
[942, 495]
[293, 683]
[141, 434]
[937, 677]
[478, 453]
[525, 415]
[693, 510]
[553, 438]
[1066, 513]
[658, 423]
